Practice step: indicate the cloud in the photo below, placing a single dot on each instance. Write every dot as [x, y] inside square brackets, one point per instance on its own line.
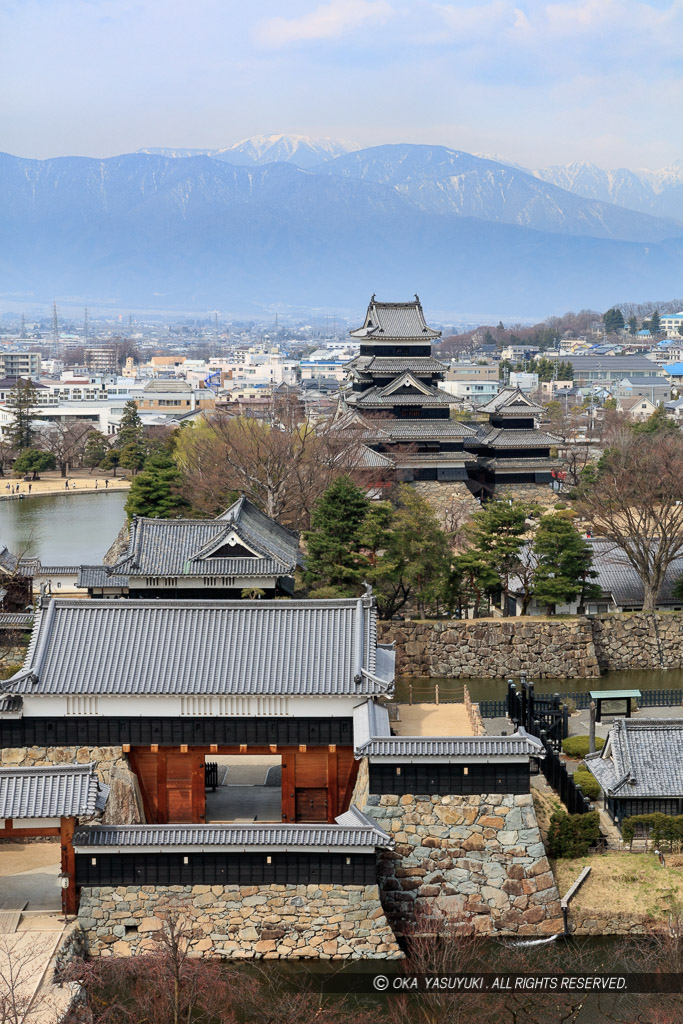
[327, 21]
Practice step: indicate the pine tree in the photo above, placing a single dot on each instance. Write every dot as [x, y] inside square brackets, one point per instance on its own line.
[155, 491]
[496, 535]
[632, 325]
[564, 561]
[655, 323]
[333, 543]
[613, 320]
[20, 401]
[95, 449]
[130, 440]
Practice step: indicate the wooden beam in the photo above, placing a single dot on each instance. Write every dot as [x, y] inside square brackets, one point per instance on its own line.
[213, 748]
[162, 794]
[332, 786]
[273, 748]
[69, 902]
[288, 784]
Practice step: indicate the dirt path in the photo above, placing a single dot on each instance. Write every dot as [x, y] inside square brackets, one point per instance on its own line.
[81, 481]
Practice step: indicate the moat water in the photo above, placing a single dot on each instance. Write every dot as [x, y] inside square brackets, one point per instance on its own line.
[63, 529]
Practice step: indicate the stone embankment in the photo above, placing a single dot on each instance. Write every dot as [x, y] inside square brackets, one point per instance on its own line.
[545, 648]
[246, 922]
[475, 859]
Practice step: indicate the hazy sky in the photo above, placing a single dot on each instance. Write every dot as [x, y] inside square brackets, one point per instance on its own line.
[535, 82]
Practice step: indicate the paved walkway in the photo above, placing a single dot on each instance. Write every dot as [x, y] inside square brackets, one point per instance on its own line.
[53, 483]
[432, 720]
[38, 888]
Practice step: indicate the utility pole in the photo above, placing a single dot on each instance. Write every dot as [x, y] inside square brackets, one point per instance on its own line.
[55, 324]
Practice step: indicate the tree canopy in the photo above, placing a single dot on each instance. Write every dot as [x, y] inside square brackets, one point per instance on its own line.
[155, 492]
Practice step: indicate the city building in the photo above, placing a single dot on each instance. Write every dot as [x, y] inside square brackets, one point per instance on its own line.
[671, 324]
[20, 364]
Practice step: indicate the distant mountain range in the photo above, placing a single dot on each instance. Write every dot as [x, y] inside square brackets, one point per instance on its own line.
[655, 192]
[300, 150]
[236, 229]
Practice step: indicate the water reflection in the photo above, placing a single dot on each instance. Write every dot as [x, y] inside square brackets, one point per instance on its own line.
[61, 529]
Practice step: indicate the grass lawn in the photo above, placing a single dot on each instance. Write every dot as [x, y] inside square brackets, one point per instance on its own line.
[624, 883]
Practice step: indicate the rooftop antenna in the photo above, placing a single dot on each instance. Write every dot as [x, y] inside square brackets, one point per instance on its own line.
[55, 324]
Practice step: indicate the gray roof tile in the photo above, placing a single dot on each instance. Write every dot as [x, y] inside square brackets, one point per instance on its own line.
[510, 401]
[496, 747]
[388, 320]
[641, 758]
[423, 430]
[352, 829]
[61, 791]
[191, 647]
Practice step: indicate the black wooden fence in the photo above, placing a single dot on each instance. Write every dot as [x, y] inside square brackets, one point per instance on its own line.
[561, 780]
[581, 701]
[211, 775]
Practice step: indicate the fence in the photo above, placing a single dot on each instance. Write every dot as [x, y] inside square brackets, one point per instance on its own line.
[581, 701]
[559, 779]
[211, 775]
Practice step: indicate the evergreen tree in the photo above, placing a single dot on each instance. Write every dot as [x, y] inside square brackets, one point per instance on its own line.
[111, 461]
[632, 325]
[333, 542]
[613, 320]
[20, 401]
[408, 553]
[95, 449]
[155, 491]
[565, 371]
[659, 422]
[34, 461]
[564, 560]
[130, 440]
[496, 535]
[655, 323]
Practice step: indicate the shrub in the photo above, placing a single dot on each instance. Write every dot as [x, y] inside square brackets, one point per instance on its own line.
[577, 746]
[590, 786]
[663, 828]
[559, 505]
[570, 835]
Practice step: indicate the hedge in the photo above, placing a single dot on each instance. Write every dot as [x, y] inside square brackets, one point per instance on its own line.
[663, 828]
[577, 746]
[571, 835]
[589, 785]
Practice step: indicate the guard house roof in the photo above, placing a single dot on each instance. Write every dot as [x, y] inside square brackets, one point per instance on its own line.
[351, 831]
[192, 547]
[191, 647]
[641, 759]
[386, 321]
[59, 791]
[373, 739]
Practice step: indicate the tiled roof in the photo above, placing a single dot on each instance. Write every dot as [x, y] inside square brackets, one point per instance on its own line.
[422, 429]
[377, 397]
[10, 703]
[520, 744]
[502, 437]
[641, 759]
[384, 365]
[95, 576]
[192, 647]
[369, 459]
[16, 620]
[511, 402]
[183, 547]
[351, 830]
[616, 576]
[500, 465]
[388, 320]
[8, 561]
[61, 791]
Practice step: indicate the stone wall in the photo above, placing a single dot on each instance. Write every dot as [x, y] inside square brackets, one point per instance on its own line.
[578, 648]
[124, 803]
[541, 494]
[105, 758]
[584, 921]
[452, 501]
[479, 860]
[247, 922]
[493, 648]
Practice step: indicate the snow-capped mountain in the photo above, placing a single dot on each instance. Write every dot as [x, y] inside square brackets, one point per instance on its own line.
[300, 150]
[658, 192]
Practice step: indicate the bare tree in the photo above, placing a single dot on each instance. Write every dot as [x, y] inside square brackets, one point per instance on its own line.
[635, 500]
[282, 462]
[66, 441]
[23, 958]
